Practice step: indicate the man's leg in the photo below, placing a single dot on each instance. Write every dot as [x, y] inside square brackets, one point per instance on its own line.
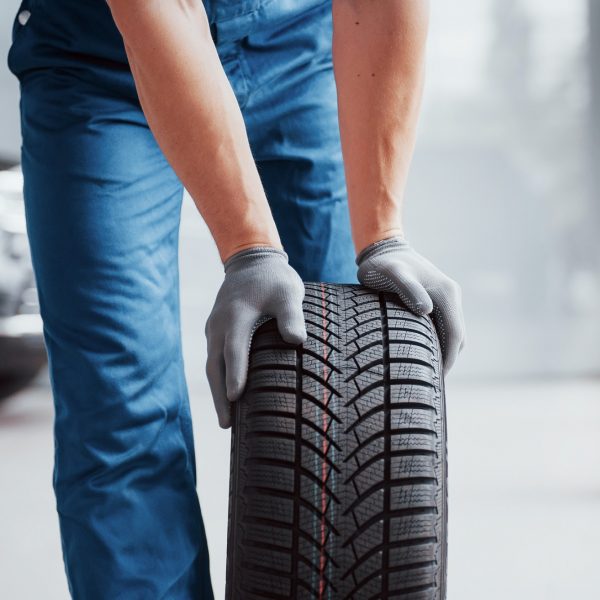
[103, 209]
[291, 116]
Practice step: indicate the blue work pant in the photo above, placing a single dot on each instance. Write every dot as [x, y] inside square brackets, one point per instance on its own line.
[103, 212]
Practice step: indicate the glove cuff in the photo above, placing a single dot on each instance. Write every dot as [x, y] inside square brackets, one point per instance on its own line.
[251, 254]
[381, 247]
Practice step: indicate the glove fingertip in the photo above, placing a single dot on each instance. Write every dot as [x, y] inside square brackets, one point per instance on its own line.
[423, 308]
[294, 335]
[414, 295]
[224, 419]
[235, 389]
[296, 340]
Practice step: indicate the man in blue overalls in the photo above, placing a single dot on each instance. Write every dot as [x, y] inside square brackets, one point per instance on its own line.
[124, 102]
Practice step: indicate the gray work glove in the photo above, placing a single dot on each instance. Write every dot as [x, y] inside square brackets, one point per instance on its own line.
[392, 265]
[259, 284]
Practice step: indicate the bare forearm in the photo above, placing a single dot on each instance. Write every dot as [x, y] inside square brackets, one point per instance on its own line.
[195, 118]
[378, 56]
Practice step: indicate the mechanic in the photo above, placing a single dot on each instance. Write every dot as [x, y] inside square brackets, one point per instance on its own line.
[294, 142]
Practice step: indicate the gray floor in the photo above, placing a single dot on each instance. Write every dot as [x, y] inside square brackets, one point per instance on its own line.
[524, 492]
[524, 474]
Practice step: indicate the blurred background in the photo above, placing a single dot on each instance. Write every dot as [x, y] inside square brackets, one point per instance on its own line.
[504, 196]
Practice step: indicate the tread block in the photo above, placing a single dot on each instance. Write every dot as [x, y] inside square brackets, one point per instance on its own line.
[258, 530]
[259, 506]
[273, 358]
[408, 555]
[362, 453]
[268, 479]
[262, 583]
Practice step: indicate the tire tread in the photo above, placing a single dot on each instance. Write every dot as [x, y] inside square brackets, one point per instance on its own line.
[338, 463]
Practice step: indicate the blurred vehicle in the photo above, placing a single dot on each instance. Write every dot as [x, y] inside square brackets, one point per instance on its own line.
[22, 350]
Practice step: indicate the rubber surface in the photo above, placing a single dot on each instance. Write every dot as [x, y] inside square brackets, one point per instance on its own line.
[338, 461]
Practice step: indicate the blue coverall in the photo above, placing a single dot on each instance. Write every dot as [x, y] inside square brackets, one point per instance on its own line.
[103, 211]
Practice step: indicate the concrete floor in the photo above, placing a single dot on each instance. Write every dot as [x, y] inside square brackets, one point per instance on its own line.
[524, 474]
[524, 492]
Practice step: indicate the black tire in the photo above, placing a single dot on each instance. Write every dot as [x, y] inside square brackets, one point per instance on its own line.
[338, 461]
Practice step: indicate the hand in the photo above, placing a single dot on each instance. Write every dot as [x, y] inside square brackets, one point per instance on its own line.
[259, 284]
[392, 265]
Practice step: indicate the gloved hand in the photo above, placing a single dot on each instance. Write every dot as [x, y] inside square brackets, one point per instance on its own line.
[392, 265]
[259, 284]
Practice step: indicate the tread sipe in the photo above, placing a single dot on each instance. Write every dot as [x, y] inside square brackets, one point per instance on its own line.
[338, 459]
